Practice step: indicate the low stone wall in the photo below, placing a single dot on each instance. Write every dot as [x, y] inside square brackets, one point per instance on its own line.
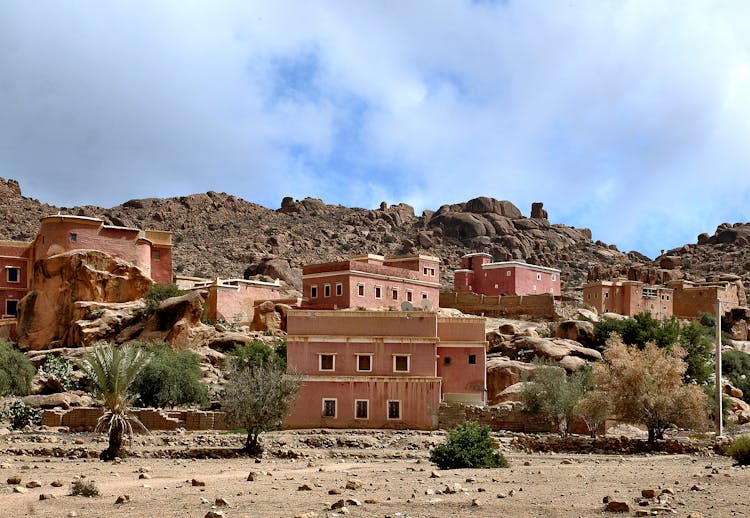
[608, 445]
[537, 306]
[502, 417]
[83, 419]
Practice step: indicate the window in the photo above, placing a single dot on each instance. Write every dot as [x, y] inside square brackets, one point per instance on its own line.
[409, 295]
[339, 289]
[496, 286]
[364, 363]
[11, 307]
[447, 360]
[425, 295]
[73, 237]
[400, 363]
[431, 272]
[156, 255]
[394, 409]
[378, 292]
[326, 290]
[361, 409]
[13, 274]
[424, 270]
[606, 295]
[327, 362]
[313, 292]
[361, 290]
[329, 408]
[394, 293]
[472, 359]
[554, 276]
[539, 276]
[507, 273]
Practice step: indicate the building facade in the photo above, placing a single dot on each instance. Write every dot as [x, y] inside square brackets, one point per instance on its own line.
[150, 250]
[478, 274]
[372, 281]
[691, 299]
[232, 300]
[382, 369]
[629, 298]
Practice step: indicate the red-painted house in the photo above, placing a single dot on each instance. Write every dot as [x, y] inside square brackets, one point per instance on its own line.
[479, 274]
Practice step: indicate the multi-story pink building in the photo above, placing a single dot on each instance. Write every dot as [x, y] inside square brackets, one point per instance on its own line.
[372, 281]
[479, 274]
[382, 369]
[150, 250]
[629, 298]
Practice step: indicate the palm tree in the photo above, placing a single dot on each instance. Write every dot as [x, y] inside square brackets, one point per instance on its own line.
[112, 371]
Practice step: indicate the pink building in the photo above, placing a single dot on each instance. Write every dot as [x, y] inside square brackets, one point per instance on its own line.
[629, 298]
[391, 369]
[150, 250]
[479, 274]
[372, 281]
[232, 300]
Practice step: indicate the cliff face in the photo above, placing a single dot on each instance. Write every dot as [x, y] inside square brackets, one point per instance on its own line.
[220, 234]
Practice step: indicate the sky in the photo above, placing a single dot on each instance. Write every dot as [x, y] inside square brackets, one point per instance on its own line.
[631, 118]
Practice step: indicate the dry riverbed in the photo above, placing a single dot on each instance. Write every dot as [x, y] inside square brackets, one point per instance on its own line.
[374, 473]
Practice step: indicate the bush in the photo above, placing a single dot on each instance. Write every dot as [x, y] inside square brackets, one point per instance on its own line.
[170, 378]
[58, 367]
[736, 367]
[81, 488]
[555, 396]
[159, 293]
[16, 371]
[20, 414]
[739, 450]
[257, 353]
[468, 446]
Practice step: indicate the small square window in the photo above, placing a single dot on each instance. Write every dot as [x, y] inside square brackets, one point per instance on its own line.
[329, 408]
[361, 290]
[425, 295]
[313, 292]
[447, 360]
[539, 276]
[361, 409]
[73, 237]
[327, 290]
[606, 295]
[339, 289]
[472, 359]
[394, 294]
[507, 273]
[378, 292]
[400, 363]
[156, 255]
[364, 363]
[13, 274]
[394, 409]
[327, 362]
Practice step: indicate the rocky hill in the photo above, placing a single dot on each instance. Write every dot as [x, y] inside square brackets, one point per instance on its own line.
[220, 234]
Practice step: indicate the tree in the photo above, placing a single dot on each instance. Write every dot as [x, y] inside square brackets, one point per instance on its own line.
[594, 407]
[112, 371]
[554, 395]
[646, 386]
[257, 398]
[468, 446]
[695, 338]
[170, 378]
[16, 370]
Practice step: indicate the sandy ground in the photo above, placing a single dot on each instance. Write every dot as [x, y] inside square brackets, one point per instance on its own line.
[392, 467]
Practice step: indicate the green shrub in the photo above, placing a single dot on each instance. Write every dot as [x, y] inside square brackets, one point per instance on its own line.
[735, 365]
[170, 378]
[739, 450]
[468, 446]
[20, 414]
[158, 293]
[16, 371]
[59, 368]
[256, 353]
[81, 488]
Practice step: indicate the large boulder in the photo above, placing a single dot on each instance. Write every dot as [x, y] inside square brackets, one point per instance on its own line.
[504, 372]
[47, 312]
[276, 268]
[177, 322]
[577, 330]
[103, 321]
[528, 348]
[63, 400]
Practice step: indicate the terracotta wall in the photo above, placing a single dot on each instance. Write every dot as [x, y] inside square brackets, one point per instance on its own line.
[693, 301]
[362, 323]
[419, 400]
[497, 306]
[235, 304]
[459, 375]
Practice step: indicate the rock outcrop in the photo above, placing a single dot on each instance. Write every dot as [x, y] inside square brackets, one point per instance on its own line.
[48, 311]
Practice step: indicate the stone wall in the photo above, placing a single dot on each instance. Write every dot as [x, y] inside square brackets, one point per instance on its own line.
[84, 419]
[538, 306]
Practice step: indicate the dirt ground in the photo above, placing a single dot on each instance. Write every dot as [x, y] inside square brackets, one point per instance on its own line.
[392, 468]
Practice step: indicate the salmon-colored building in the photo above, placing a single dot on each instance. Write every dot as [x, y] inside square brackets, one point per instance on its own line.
[629, 298]
[372, 281]
[478, 274]
[150, 250]
[389, 369]
[692, 299]
[233, 300]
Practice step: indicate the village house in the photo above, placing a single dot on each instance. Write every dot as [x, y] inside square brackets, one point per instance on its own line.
[150, 250]
[372, 281]
[693, 299]
[628, 298]
[478, 274]
[380, 369]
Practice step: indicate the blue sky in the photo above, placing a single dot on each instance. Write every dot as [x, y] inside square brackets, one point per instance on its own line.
[631, 118]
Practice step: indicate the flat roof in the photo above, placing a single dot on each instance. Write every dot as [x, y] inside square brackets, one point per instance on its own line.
[59, 218]
[506, 264]
[475, 254]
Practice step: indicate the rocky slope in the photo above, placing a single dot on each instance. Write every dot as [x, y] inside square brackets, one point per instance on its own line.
[220, 234]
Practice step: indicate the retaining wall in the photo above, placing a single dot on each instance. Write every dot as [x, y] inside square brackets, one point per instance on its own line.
[84, 419]
[539, 306]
